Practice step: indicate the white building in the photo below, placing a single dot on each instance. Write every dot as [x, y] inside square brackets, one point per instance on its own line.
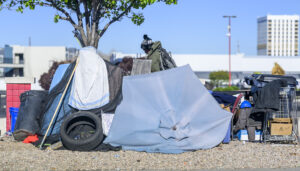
[30, 62]
[277, 35]
[241, 65]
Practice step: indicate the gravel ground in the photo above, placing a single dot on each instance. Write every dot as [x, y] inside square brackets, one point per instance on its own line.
[19, 156]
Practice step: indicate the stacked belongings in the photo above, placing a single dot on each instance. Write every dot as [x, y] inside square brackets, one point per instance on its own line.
[79, 95]
[161, 59]
[168, 112]
[268, 103]
[240, 122]
[88, 91]
[227, 102]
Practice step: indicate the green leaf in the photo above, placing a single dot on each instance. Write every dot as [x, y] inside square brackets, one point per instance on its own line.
[56, 18]
[32, 7]
[20, 9]
[137, 19]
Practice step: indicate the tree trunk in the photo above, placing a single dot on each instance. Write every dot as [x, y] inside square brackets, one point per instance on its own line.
[91, 42]
[90, 39]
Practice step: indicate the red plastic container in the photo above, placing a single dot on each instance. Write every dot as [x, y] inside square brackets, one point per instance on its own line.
[13, 92]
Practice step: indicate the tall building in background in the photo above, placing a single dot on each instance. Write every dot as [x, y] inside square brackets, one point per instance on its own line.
[277, 35]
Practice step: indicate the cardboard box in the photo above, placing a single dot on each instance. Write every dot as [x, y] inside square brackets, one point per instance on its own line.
[281, 128]
[282, 120]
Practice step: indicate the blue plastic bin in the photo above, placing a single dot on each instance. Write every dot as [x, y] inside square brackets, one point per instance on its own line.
[14, 115]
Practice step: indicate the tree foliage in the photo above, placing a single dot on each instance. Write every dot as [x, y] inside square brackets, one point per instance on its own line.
[231, 88]
[90, 18]
[257, 72]
[277, 69]
[218, 76]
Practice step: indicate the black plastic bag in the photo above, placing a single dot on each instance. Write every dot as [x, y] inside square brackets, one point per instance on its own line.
[30, 113]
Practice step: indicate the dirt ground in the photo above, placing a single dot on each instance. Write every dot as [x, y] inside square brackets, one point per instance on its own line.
[236, 154]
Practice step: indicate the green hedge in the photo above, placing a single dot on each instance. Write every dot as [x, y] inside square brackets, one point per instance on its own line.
[232, 88]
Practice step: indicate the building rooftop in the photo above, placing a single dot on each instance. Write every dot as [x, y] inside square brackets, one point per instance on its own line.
[239, 62]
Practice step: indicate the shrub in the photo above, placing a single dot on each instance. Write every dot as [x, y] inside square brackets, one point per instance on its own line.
[232, 88]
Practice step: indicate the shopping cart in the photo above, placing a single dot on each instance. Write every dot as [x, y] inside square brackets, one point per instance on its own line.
[281, 125]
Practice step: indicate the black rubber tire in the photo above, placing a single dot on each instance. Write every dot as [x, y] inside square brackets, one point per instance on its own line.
[72, 126]
[77, 119]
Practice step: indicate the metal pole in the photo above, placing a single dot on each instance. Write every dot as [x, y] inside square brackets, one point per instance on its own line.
[229, 37]
[59, 104]
[229, 44]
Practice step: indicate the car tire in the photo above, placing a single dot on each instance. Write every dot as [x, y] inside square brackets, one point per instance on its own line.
[82, 123]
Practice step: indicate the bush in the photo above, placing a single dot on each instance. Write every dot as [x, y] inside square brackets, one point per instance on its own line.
[218, 77]
[232, 88]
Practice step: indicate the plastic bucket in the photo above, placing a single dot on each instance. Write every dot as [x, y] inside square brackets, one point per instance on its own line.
[14, 115]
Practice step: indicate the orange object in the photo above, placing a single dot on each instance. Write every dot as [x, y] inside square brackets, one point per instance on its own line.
[31, 139]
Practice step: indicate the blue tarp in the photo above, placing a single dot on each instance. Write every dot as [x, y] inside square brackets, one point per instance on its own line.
[64, 110]
[59, 73]
[168, 112]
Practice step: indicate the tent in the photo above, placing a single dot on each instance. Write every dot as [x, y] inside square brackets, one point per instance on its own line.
[60, 80]
[168, 112]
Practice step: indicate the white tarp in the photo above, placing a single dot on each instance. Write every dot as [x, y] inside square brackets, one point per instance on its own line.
[90, 87]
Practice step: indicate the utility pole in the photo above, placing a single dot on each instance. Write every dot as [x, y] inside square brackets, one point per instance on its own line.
[229, 39]
[238, 47]
[29, 41]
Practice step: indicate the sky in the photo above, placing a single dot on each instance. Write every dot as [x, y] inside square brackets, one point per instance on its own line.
[190, 27]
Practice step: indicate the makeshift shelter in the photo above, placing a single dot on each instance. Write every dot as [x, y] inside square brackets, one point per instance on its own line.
[114, 74]
[168, 112]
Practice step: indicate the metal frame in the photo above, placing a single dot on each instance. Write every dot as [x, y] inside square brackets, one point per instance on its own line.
[287, 109]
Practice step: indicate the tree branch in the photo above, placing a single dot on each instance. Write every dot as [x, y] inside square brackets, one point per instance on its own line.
[87, 18]
[80, 23]
[68, 16]
[115, 19]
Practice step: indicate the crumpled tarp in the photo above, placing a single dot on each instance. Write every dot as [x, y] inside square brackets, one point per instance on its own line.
[168, 112]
